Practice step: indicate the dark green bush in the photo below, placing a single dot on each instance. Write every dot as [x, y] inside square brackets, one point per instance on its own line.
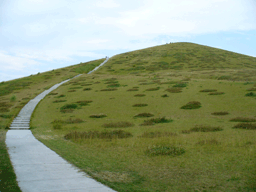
[192, 105]
[205, 128]
[118, 124]
[208, 90]
[248, 126]
[251, 94]
[139, 95]
[144, 115]
[101, 115]
[243, 119]
[220, 113]
[165, 150]
[156, 120]
[140, 105]
[68, 108]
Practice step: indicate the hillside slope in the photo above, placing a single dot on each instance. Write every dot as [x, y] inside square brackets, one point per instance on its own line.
[187, 58]
[176, 117]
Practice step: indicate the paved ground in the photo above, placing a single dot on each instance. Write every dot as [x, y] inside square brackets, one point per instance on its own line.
[37, 167]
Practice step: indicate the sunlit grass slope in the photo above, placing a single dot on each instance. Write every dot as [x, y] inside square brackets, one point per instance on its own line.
[14, 95]
[177, 117]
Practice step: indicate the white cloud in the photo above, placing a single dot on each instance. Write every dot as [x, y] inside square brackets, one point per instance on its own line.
[106, 4]
[16, 63]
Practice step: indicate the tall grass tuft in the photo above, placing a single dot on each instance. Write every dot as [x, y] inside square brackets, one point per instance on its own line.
[157, 150]
[156, 120]
[101, 115]
[118, 124]
[139, 95]
[140, 105]
[220, 113]
[157, 134]
[192, 105]
[243, 119]
[205, 128]
[115, 134]
[144, 115]
[13, 98]
[248, 126]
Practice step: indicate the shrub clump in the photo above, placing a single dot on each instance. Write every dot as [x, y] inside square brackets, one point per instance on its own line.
[248, 126]
[157, 134]
[165, 95]
[84, 103]
[101, 115]
[205, 128]
[220, 113]
[118, 124]
[114, 85]
[153, 89]
[174, 90]
[68, 108]
[116, 134]
[251, 94]
[133, 89]
[243, 119]
[139, 95]
[60, 96]
[251, 89]
[110, 89]
[208, 90]
[192, 105]
[156, 120]
[180, 85]
[156, 150]
[72, 90]
[144, 115]
[216, 93]
[140, 105]
[59, 101]
[87, 89]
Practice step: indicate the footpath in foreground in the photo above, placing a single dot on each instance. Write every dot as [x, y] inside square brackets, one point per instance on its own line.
[37, 167]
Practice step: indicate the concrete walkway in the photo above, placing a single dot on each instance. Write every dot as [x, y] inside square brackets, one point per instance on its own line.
[37, 167]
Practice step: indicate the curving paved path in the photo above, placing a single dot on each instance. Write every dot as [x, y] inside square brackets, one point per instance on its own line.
[37, 167]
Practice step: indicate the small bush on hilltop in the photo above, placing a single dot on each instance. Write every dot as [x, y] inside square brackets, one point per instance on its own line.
[192, 105]
[144, 115]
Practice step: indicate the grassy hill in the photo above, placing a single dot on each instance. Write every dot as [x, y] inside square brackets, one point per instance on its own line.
[176, 117]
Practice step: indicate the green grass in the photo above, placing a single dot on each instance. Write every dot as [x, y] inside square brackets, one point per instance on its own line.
[214, 156]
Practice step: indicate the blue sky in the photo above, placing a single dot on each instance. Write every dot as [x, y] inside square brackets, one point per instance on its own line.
[41, 35]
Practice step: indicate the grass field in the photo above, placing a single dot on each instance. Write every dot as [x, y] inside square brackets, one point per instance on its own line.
[14, 95]
[177, 117]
